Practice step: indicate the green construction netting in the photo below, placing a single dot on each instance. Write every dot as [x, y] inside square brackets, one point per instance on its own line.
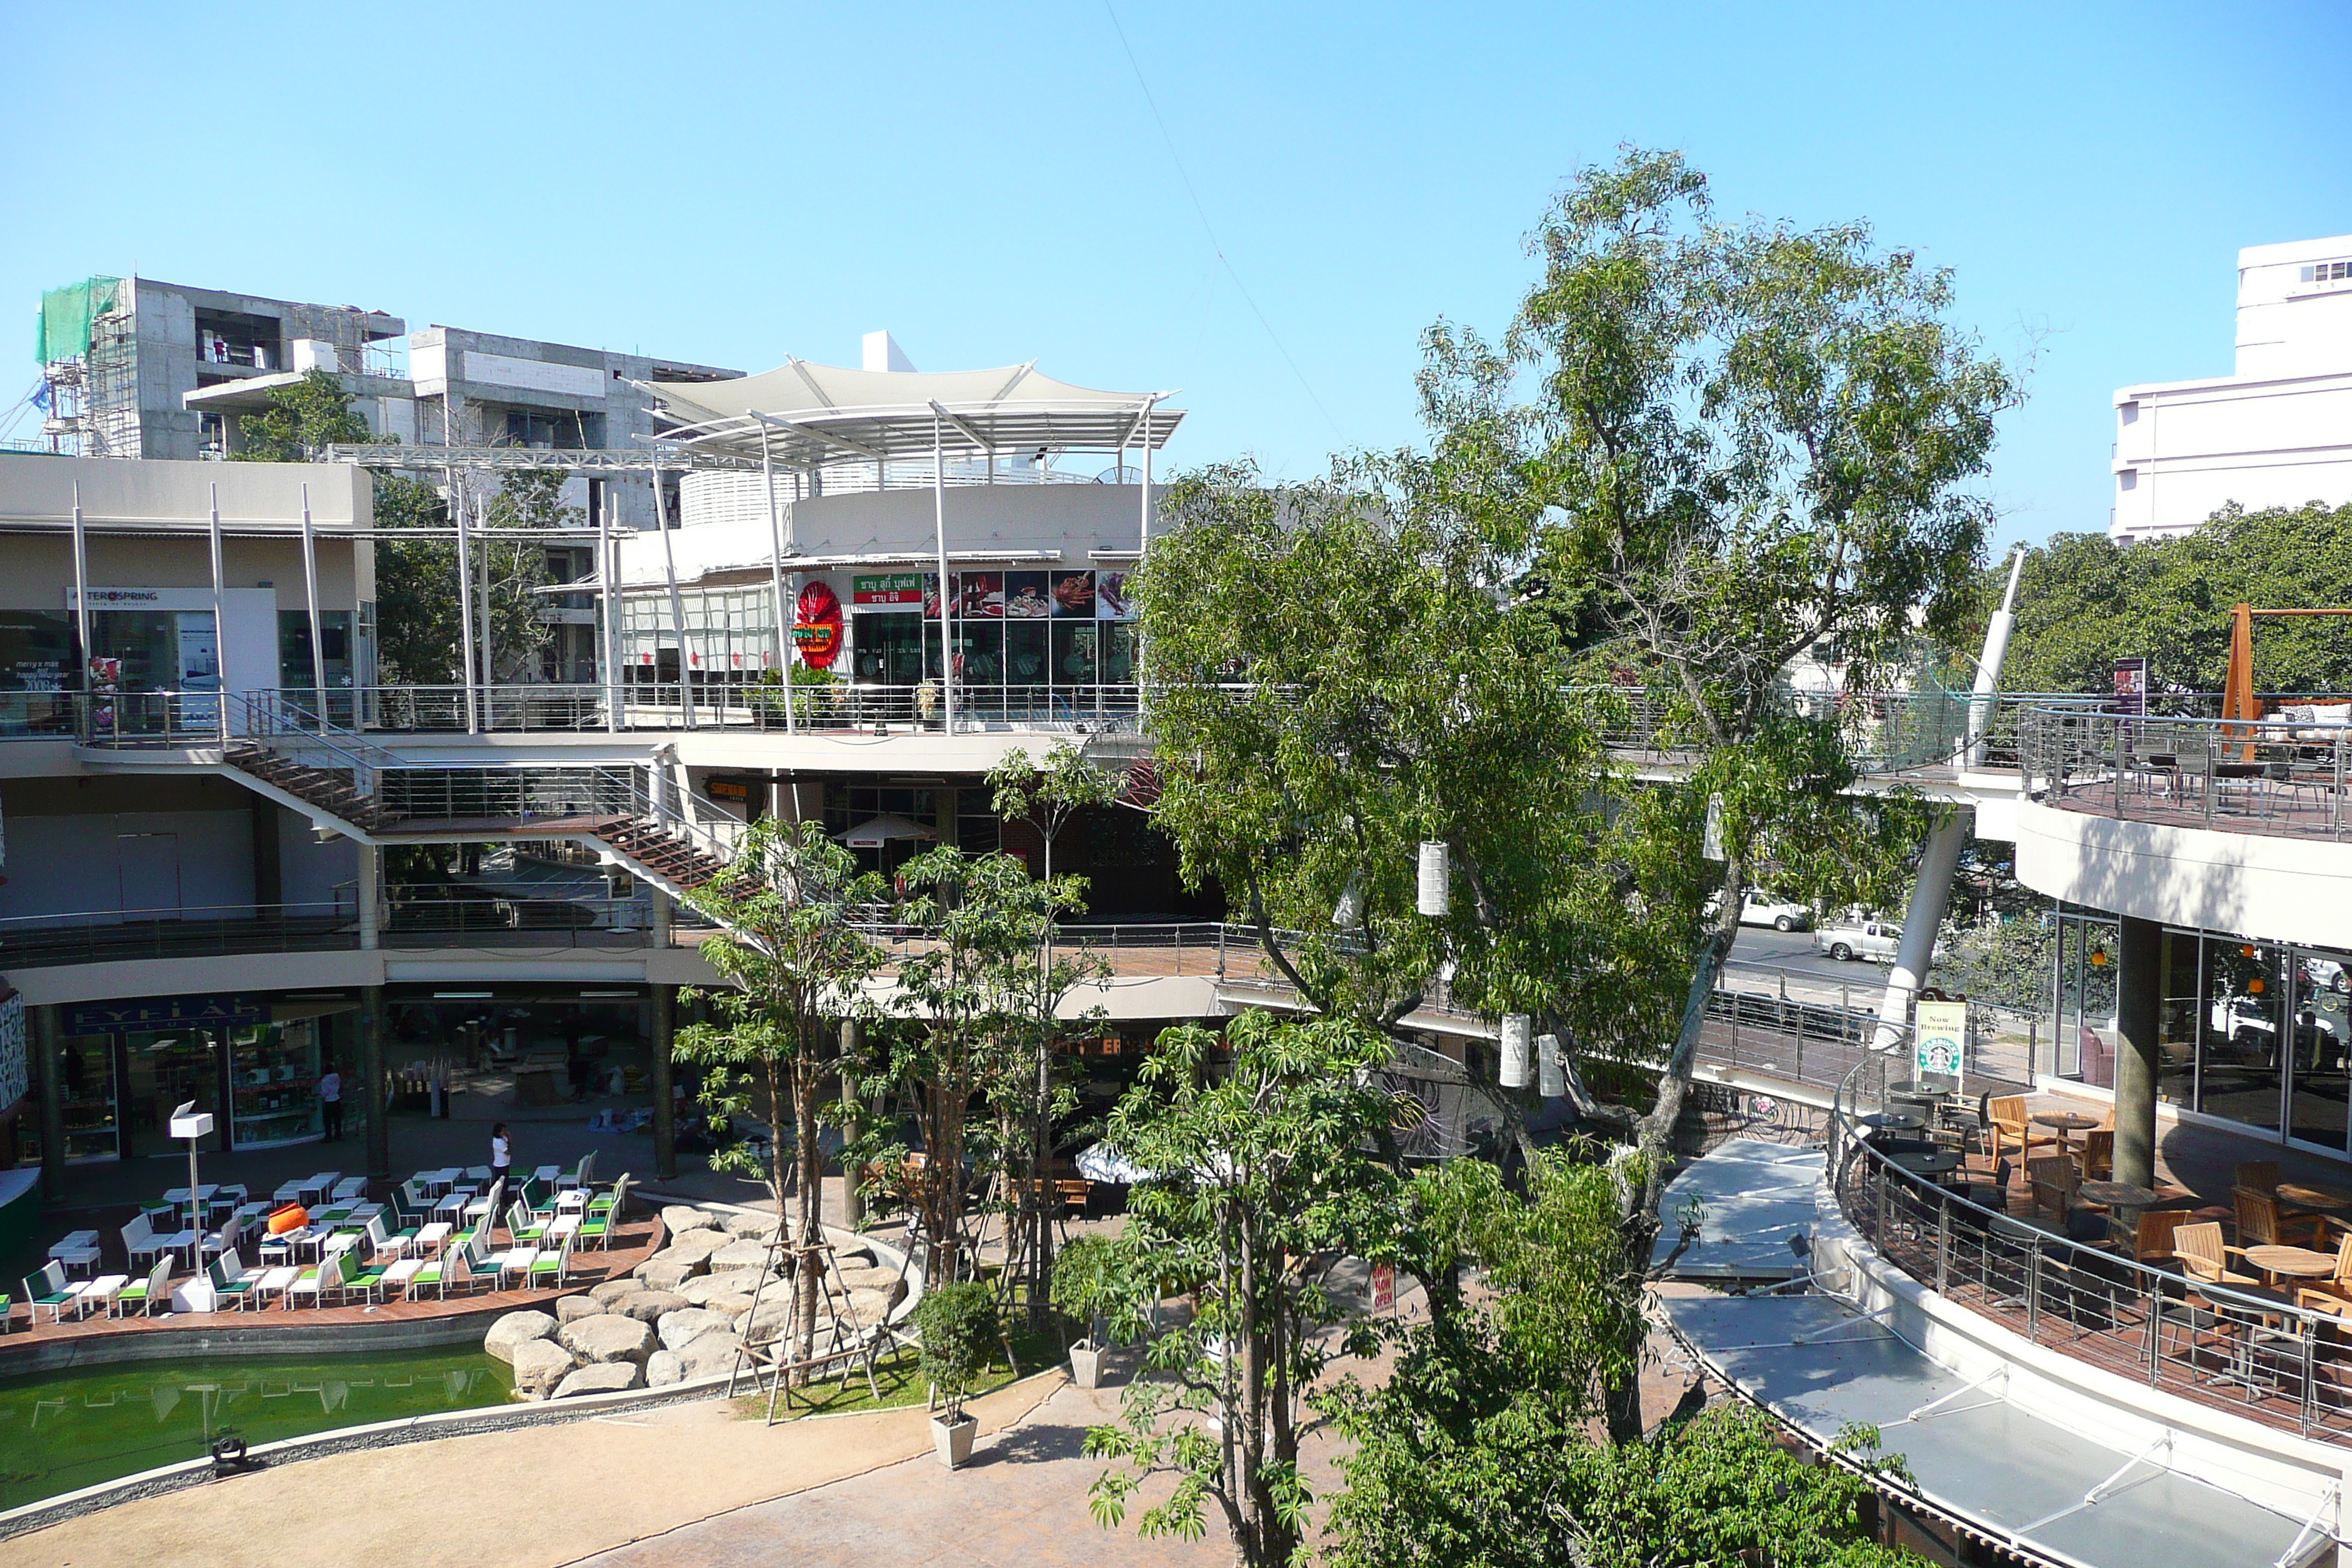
[63, 329]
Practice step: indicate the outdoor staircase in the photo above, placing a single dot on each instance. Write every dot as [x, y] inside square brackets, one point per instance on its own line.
[329, 792]
[655, 854]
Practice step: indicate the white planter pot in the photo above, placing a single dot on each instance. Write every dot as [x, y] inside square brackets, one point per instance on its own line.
[1086, 1364]
[952, 1440]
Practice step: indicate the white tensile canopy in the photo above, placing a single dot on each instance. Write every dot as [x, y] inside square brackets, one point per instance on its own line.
[877, 831]
[805, 415]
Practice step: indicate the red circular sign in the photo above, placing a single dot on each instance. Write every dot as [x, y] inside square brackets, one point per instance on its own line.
[816, 627]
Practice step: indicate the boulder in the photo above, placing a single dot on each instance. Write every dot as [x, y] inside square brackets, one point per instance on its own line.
[772, 1321]
[734, 1282]
[729, 1306]
[871, 1308]
[664, 1277]
[752, 1255]
[664, 1368]
[758, 1226]
[608, 1339]
[854, 1256]
[606, 1377]
[697, 1244]
[709, 1356]
[611, 1290]
[514, 1329]
[678, 1219]
[681, 1328]
[539, 1366]
[883, 1280]
[647, 1306]
[572, 1309]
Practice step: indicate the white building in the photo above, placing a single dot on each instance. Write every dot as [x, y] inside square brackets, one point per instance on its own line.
[2278, 432]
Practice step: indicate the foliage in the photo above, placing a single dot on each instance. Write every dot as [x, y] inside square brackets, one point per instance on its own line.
[2007, 962]
[304, 419]
[975, 1002]
[415, 587]
[1261, 1184]
[1048, 793]
[1478, 1448]
[1090, 1284]
[960, 1329]
[2084, 601]
[794, 965]
[526, 499]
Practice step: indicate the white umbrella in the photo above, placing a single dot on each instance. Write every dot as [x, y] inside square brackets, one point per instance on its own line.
[880, 830]
[1101, 1162]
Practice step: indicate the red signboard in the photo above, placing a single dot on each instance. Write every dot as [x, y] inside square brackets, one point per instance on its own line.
[816, 627]
[1383, 1287]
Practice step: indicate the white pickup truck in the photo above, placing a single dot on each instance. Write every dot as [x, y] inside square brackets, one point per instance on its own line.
[1871, 939]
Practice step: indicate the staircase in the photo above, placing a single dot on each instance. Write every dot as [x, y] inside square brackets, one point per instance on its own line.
[653, 854]
[327, 790]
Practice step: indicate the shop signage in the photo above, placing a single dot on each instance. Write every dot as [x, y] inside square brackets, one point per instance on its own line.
[816, 627]
[2131, 687]
[1939, 1034]
[883, 589]
[146, 1013]
[180, 599]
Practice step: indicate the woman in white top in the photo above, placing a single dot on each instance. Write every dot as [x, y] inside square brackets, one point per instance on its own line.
[501, 1153]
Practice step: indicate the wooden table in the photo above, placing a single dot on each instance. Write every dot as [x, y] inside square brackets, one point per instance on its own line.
[2066, 1123]
[2119, 1194]
[2295, 1262]
[2311, 1196]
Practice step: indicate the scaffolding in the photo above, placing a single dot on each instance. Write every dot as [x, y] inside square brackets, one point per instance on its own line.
[87, 346]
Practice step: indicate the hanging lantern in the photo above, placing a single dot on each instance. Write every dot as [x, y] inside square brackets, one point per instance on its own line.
[2098, 958]
[1349, 913]
[2257, 986]
[2246, 951]
[1434, 896]
[1551, 1067]
[1516, 1028]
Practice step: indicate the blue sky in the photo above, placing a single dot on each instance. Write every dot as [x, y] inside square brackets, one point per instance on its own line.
[743, 182]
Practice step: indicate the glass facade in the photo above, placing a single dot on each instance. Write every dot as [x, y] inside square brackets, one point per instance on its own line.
[2082, 1046]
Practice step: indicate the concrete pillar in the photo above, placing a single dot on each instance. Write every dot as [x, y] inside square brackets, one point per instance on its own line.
[853, 1046]
[664, 1112]
[47, 1040]
[373, 1097]
[2139, 994]
[371, 897]
[1940, 858]
[661, 908]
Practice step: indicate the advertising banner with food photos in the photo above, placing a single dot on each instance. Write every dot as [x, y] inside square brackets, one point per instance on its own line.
[1111, 601]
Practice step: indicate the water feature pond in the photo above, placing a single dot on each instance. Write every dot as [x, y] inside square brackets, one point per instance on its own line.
[65, 1430]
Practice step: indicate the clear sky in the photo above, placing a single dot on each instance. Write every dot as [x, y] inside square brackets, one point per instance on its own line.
[734, 184]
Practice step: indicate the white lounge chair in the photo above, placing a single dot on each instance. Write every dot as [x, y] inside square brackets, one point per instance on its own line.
[143, 1294]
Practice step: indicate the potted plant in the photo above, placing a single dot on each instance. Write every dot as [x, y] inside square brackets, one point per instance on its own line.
[1089, 1283]
[958, 1327]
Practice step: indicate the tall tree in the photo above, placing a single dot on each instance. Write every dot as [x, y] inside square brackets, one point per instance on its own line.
[515, 571]
[795, 965]
[304, 419]
[415, 587]
[1048, 791]
[1260, 1182]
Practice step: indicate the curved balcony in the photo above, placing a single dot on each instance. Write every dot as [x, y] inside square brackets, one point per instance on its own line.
[2282, 776]
[2230, 1345]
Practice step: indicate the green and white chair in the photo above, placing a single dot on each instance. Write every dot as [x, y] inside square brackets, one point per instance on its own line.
[552, 1269]
[50, 1289]
[231, 1284]
[604, 1215]
[144, 1294]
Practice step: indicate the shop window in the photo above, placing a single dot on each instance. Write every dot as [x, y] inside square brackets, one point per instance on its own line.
[2239, 1071]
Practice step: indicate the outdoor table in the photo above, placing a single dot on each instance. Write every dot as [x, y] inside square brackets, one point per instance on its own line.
[319, 1188]
[2311, 1196]
[76, 1249]
[1935, 1166]
[2295, 1262]
[2066, 1123]
[435, 1184]
[1894, 1121]
[548, 1176]
[103, 1289]
[563, 1225]
[433, 1237]
[453, 1207]
[2119, 1194]
[571, 1198]
[288, 1192]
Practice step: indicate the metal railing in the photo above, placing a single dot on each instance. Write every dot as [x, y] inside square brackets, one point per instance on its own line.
[2285, 776]
[2236, 1347]
[106, 936]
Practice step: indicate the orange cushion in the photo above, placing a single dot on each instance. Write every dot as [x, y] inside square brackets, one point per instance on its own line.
[293, 1216]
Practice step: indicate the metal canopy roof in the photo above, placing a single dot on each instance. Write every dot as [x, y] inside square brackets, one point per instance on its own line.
[812, 415]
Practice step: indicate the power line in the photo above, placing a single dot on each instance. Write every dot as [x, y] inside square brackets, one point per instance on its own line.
[1206, 227]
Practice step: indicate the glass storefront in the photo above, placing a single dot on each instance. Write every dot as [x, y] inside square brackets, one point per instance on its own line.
[2256, 1033]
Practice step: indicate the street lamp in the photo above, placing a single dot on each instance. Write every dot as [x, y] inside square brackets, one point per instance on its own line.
[191, 1124]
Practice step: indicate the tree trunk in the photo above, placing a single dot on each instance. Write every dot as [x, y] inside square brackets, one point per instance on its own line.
[809, 1157]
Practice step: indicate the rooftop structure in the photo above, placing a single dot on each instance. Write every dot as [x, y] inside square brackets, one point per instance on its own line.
[2277, 432]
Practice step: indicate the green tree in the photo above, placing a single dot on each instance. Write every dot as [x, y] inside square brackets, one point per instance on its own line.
[1261, 1181]
[2004, 960]
[520, 633]
[795, 965]
[415, 587]
[2084, 601]
[304, 419]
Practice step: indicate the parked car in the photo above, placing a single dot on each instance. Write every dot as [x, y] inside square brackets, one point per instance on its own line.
[1765, 910]
[1875, 939]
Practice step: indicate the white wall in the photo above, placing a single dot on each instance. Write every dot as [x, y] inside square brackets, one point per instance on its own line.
[2289, 324]
[308, 871]
[2246, 884]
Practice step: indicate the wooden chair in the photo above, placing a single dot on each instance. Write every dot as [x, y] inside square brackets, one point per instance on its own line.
[2057, 1186]
[2263, 1175]
[2012, 1128]
[2260, 1225]
[2097, 1157]
[2199, 1250]
[2152, 1239]
[2333, 1295]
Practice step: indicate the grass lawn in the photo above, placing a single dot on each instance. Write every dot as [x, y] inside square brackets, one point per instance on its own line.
[900, 1377]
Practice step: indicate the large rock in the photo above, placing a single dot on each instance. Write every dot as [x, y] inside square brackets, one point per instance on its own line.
[572, 1309]
[647, 1306]
[871, 1308]
[666, 1277]
[752, 1255]
[515, 1329]
[884, 1281]
[606, 1377]
[728, 1306]
[539, 1366]
[680, 1329]
[664, 1368]
[734, 1282]
[678, 1218]
[759, 1226]
[697, 1244]
[709, 1356]
[611, 1290]
[771, 1322]
[608, 1339]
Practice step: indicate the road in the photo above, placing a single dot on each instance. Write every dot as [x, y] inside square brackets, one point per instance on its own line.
[1793, 951]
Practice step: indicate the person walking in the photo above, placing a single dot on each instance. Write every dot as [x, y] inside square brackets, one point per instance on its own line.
[330, 1103]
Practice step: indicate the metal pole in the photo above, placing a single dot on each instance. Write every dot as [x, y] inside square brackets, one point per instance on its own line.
[220, 616]
[318, 622]
[81, 598]
[609, 602]
[676, 605]
[1143, 510]
[1986, 698]
[464, 612]
[482, 607]
[776, 574]
[940, 517]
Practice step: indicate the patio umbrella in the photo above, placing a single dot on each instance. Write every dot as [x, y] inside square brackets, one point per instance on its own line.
[1101, 1162]
[880, 830]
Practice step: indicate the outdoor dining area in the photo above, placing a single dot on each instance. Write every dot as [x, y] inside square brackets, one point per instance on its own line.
[2229, 1277]
[321, 1241]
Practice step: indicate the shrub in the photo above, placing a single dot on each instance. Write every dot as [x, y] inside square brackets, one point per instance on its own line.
[960, 1331]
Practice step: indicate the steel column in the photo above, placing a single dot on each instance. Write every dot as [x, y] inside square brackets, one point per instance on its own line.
[318, 622]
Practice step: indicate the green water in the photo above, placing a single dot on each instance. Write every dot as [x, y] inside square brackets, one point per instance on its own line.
[74, 1430]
